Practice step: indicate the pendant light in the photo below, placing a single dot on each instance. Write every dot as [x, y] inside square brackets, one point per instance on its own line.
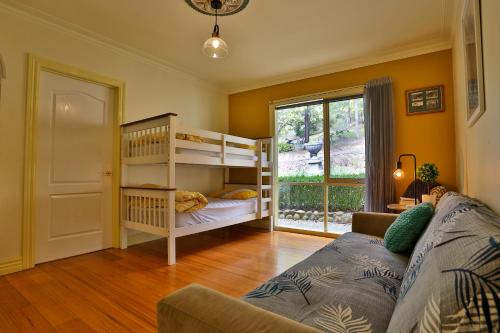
[215, 47]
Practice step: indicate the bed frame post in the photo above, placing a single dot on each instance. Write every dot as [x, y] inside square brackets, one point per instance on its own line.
[123, 229]
[259, 179]
[223, 148]
[170, 223]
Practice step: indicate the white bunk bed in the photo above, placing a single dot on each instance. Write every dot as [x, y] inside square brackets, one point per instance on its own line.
[158, 141]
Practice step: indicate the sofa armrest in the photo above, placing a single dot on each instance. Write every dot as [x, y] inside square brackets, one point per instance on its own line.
[199, 309]
[372, 223]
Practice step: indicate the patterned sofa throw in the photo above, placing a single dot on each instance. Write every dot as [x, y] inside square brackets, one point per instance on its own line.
[350, 285]
[452, 281]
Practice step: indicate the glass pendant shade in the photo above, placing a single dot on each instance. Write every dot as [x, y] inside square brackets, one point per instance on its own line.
[215, 47]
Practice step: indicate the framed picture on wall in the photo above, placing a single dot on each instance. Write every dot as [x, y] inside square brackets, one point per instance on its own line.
[473, 53]
[425, 100]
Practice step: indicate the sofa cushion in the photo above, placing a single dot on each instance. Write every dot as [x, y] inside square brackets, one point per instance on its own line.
[403, 234]
[352, 282]
[452, 280]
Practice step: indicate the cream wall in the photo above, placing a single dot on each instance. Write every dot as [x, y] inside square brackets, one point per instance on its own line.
[151, 89]
[478, 147]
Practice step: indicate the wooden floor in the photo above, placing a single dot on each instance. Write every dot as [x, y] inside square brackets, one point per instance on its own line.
[117, 290]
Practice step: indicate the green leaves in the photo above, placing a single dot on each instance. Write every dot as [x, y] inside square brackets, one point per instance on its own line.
[284, 147]
[310, 197]
[428, 173]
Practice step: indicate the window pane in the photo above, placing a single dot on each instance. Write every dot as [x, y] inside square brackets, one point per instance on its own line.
[300, 144]
[342, 202]
[301, 207]
[347, 139]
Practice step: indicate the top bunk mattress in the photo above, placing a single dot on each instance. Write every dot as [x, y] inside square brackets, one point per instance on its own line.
[217, 210]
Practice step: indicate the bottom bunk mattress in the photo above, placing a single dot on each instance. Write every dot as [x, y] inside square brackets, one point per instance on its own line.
[217, 210]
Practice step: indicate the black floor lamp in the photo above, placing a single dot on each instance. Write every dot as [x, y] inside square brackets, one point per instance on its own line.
[399, 173]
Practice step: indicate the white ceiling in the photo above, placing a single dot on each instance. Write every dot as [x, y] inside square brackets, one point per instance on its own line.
[271, 41]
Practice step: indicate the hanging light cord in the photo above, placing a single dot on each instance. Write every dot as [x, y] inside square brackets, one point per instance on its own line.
[215, 33]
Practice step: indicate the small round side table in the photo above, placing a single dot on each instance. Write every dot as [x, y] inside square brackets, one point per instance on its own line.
[396, 207]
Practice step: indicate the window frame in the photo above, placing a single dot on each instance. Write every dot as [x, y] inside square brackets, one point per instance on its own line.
[321, 98]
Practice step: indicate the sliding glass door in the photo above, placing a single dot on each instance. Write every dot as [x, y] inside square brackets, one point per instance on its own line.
[320, 164]
[346, 161]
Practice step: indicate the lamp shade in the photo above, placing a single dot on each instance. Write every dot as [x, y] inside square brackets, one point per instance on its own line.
[215, 47]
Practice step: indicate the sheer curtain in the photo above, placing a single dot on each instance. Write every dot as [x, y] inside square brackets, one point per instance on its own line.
[379, 147]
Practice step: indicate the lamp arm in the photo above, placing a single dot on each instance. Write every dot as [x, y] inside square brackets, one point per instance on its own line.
[415, 179]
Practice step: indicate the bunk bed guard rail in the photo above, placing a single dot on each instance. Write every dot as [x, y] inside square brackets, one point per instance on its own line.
[151, 140]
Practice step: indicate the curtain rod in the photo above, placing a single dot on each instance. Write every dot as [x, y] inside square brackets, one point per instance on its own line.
[314, 96]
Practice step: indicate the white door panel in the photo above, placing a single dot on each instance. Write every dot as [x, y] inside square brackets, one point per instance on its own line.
[74, 151]
[74, 214]
[78, 126]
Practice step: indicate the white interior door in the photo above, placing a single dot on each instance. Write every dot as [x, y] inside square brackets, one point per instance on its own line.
[73, 167]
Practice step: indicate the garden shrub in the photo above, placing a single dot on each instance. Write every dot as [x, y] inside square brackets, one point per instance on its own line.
[285, 147]
[310, 197]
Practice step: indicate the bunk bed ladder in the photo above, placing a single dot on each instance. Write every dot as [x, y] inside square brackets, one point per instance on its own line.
[264, 188]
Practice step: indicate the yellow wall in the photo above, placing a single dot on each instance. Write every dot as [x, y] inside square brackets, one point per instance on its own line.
[151, 89]
[478, 147]
[431, 137]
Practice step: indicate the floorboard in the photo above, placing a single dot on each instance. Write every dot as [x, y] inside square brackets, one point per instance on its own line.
[117, 290]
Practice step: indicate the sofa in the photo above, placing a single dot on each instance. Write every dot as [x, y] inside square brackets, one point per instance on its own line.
[450, 282]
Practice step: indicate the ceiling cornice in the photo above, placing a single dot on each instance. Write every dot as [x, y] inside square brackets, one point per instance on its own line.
[455, 16]
[395, 54]
[442, 42]
[63, 26]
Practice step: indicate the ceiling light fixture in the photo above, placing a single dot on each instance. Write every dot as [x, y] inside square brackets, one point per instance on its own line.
[215, 47]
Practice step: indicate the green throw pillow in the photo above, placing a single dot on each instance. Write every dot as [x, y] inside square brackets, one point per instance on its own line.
[404, 232]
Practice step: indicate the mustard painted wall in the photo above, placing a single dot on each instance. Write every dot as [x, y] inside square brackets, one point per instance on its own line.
[431, 137]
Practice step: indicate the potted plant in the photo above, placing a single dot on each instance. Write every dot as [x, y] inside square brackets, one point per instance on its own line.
[428, 173]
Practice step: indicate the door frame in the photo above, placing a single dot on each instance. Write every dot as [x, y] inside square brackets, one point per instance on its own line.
[273, 128]
[35, 66]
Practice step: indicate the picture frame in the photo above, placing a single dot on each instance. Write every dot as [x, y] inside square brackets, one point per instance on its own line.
[473, 58]
[425, 100]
